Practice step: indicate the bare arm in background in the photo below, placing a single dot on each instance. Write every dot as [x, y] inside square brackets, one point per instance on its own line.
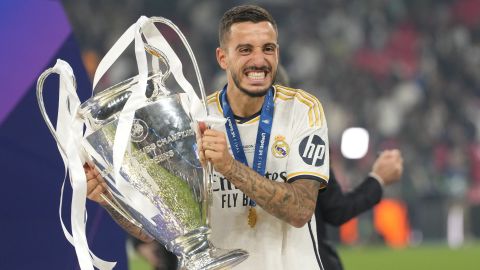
[336, 207]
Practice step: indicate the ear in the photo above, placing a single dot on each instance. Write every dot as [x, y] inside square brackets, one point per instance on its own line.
[221, 58]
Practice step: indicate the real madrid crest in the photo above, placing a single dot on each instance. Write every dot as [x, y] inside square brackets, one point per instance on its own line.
[280, 148]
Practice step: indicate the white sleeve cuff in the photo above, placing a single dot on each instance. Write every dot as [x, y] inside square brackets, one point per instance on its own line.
[377, 177]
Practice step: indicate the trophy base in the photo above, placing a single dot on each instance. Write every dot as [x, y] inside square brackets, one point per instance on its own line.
[197, 253]
[214, 259]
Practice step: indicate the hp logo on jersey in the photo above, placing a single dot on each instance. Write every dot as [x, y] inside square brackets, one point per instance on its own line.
[312, 150]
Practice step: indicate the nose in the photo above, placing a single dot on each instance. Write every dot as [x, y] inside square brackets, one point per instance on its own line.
[258, 58]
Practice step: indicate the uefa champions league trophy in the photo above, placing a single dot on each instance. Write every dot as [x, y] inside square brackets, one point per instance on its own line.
[141, 137]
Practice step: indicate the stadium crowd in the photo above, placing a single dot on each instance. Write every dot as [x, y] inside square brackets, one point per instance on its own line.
[407, 71]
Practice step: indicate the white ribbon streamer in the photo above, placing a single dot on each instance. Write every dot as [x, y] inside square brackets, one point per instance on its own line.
[112, 55]
[137, 99]
[69, 136]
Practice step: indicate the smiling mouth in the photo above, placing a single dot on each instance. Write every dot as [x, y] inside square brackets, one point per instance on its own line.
[257, 73]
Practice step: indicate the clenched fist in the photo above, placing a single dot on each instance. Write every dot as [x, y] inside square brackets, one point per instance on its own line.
[389, 166]
[213, 148]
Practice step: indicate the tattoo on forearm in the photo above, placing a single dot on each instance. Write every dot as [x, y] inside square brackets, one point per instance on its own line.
[128, 226]
[289, 202]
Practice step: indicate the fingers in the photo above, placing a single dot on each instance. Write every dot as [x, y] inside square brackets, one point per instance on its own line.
[389, 166]
[200, 149]
[96, 193]
[213, 133]
[213, 148]
[91, 173]
[95, 183]
[206, 142]
[92, 183]
[94, 188]
[211, 145]
[393, 155]
[399, 164]
[202, 127]
[213, 138]
[201, 157]
[397, 161]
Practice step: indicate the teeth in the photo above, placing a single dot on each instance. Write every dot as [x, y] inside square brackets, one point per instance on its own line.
[256, 75]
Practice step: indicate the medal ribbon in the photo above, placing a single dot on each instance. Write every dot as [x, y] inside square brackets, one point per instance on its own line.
[263, 133]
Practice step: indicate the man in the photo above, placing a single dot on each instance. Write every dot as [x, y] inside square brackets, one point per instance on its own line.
[335, 208]
[265, 189]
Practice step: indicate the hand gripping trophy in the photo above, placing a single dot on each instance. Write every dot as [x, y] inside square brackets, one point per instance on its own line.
[141, 137]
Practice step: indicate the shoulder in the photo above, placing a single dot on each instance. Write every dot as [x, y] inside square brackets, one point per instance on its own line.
[298, 96]
[301, 101]
[213, 101]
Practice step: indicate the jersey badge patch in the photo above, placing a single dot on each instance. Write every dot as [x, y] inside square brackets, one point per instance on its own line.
[280, 148]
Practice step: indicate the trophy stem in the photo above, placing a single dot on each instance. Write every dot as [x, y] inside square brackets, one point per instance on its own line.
[196, 252]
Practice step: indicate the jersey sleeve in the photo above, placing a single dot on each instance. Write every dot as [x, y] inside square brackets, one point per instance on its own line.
[309, 157]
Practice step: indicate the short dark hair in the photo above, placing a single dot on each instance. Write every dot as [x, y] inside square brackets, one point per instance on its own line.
[244, 13]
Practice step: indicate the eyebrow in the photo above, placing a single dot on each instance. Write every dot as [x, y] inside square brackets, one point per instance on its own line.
[250, 45]
[271, 44]
[243, 45]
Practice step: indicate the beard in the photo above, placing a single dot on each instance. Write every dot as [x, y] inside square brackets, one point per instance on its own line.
[250, 93]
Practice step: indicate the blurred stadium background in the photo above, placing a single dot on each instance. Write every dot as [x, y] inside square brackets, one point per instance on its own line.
[407, 71]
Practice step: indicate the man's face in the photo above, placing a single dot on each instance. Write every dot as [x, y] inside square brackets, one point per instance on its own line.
[250, 57]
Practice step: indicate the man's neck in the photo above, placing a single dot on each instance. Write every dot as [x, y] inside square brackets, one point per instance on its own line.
[243, 105]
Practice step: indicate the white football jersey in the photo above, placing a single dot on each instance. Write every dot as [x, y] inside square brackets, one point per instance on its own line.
[298, 149]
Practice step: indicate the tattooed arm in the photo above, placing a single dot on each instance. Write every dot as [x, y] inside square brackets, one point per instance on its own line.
[292, 202]
[128, 226]
[97, 186]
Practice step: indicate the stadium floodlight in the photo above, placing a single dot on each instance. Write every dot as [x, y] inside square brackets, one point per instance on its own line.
[354, 143]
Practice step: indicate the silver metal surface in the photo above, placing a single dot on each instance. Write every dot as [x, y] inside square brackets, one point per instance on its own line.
[161, 163]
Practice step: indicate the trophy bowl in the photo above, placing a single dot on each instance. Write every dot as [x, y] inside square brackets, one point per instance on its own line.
[162, 169]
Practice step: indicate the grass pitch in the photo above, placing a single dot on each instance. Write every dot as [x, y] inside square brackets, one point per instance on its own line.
[426, 256]
[438, 257]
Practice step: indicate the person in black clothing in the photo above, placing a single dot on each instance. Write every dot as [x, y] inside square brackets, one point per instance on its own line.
[335, 207]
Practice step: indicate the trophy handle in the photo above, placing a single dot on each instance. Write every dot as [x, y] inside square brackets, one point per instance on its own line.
[41, 104]
[189, 50]
[163, 75]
